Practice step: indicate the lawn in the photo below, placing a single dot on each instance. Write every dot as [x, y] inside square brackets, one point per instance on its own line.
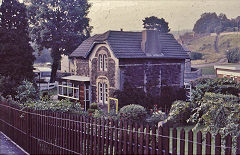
[208, 70]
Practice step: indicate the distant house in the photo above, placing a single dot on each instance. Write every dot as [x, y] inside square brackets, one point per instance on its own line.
[105, 62]
[229, 71]
[42, 74]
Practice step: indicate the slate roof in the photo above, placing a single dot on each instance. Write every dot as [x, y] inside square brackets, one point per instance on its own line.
[128, 45]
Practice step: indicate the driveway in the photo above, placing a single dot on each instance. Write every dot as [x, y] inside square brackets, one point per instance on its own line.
[7, 147]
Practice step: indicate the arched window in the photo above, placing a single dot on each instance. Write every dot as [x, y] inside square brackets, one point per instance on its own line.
[105, 62]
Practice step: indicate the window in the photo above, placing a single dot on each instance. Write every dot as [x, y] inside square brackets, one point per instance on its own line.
[68, 90]
[102, 93]
[102, 62]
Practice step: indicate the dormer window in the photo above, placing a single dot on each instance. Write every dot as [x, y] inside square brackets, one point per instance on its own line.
[102, 62]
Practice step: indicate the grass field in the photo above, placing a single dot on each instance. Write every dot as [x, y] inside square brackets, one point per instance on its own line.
[205, 45]
[208, 70]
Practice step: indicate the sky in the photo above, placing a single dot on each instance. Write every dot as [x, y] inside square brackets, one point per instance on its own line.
[180, 14]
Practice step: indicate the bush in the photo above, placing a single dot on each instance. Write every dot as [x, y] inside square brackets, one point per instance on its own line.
[233, 55]
[156, 117]
[218, 113]
[26, 91]
[180, 112]
[196, 56]
[133, 112]
[218, 85]
[93, 107]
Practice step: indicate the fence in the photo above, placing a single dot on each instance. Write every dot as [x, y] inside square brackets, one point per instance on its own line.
[43, 132]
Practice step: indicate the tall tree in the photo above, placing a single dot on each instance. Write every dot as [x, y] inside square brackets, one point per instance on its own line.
[16, 54]
[155, 23]
[59, 25]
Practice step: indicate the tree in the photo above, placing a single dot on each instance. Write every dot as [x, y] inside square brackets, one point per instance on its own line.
[211, 22]
[15, 51]
[59, 25]
[155, 23]
[233, 55]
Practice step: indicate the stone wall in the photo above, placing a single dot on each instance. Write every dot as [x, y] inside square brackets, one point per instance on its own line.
[151, 75]
[82, 67]
[108, 76]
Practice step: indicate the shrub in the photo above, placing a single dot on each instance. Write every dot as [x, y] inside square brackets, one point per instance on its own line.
[93, 107]
[233, 55]
[180, 112]
[156, 117]
[218, 113]
[133, 112]
[218, 85]
[26, 91]
[196, 56]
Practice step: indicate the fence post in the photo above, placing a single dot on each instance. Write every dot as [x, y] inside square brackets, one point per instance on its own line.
[199, 142]
[95, 137]
[218, 144]
[116, 137]
[136, 139]
[208, 143]
[91, 137]
[103, 135]
[111, 136]
[166, 139]
[146, 151]
[107, 136]
[182, 142]
[238, 146]
[120, 138]
[125, 138]
[29, 130]
[130, 145]
[160, 133]
[153, 140]
[228, 145]
[190, 142]
[140, 149]
[174, 141]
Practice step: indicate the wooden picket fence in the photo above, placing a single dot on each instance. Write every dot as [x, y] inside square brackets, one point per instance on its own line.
[43, 132]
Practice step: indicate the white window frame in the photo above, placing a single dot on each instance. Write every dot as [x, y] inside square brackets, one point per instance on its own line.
[105, 62]
[65, 85]
[100, 58]
[100, 92]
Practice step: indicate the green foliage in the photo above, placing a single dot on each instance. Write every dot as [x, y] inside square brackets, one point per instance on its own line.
[233, 55]
[156, 117]
[57, 106]
[133, 112]
[7, 86]
[15, 51]
[180, 112]
[218, 85]
[154, 23]
[93, 107]
[196, 56]
[64, 25]
[26, 91]
[211, 22]
[218, 113]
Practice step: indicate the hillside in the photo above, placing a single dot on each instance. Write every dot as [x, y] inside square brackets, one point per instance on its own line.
[206, 46]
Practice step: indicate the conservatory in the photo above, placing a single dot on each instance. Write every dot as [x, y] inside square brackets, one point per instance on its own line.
[76, 89]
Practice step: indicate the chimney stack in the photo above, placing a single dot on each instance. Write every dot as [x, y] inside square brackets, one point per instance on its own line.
[150, 43]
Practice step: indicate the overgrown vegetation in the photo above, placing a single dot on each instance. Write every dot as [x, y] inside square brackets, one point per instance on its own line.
[233, 55]
[215, 106]
[196, 56]
[133, 95]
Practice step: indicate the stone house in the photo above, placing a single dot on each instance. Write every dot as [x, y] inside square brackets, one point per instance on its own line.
[104, 62]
